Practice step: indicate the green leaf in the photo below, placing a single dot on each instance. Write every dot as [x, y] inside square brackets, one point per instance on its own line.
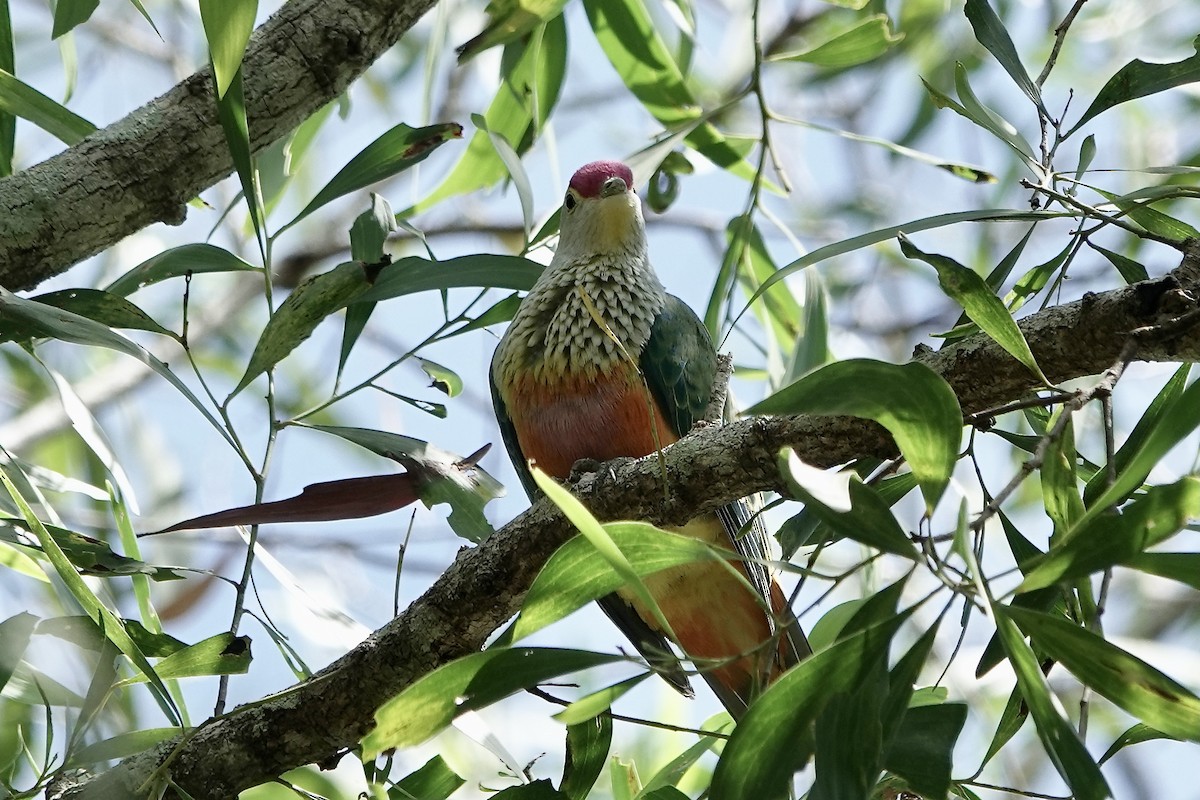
[861, 515]
[222, 654]
[967, 288]
[1162, 417]
[864, 42]
[14, 638]
[433, 701]
[1139, 79]
[111, 626]
[298, 316]
[537, 790]
[231, 111]
[90, 556]
[8, 121]
[1131, 271]
[177, 262]
[227, 26]
[508, 21]
[1059, 739]
[105, 308]
[579, 572]
[445, 380]
[1102, 540]
[627, 34]
[599, 538]
[22, 100]
[392, 153]
[592, 706]
[532, 73]
[588, 743]
[69, 13]
[432, 781]
[119, 746]
[1123, 678]
[659, 786]
[411, 275]
[68, 327]
[1151, 219]
[444, 476]
[1182, 567]
[918, 408]
[774, 738]
[1060, 484]
[923, 749]
[991, 33]
[368, 235]
[1136, 734]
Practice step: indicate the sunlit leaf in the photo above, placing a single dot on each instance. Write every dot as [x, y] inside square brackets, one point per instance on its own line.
[472, 682]
[1059, 739]
[1182, 567]
[69, 13]
[434, 780]
[298, 316]
[866, 41]
[991, 33]
[413, 274]
[1139, 79]
[227, 26]
[588, 707]
[119, 746]
[91, 556]
[1123, 678]
[915, 404]
[105, 308]
[390, 154]
[509, 20]
[222, 654]
[22, 100]
[445, 380]
[1136, 734]
[588, 743]
[967, 288]
[177, 262]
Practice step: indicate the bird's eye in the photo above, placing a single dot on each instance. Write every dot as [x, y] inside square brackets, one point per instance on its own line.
[569, 202]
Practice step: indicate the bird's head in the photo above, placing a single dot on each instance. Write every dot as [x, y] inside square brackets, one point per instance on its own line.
[601, 213]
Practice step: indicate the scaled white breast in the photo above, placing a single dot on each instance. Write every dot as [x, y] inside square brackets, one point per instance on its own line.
[554, 323]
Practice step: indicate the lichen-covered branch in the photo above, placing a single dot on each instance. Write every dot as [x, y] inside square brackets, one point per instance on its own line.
[322, 718]
[145, 168]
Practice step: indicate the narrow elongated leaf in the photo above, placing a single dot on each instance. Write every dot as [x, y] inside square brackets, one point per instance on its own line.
[1059, 739]
[413, 274]
[8, 121]
[22, 100]
[1182, 567]
[90, 556]
[222, 654]
[472, 682]
[227, 26]
[599, 538]
[588, 743]
[626, 33]
[774, 739]
[298, 316]
[967, 288]
[119, 746]
[111, 626]
[14, 638]
[1123, 678]
[507, 22]
[660, 784]
[991, 33]
[444, 477]
[175, 263]
[68, 327]
[1131, 271]
[434, 780]
[69, 13]
[1101, 541]
[915, 404]
[532, 73]
[108, 309]
[231, 111]
[392, 153]
[866, 41]
[368, 235]
[1139, 79]
[1136, 734]
[590, 707]
[868, 520]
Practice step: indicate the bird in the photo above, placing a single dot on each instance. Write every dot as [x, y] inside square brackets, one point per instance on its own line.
[595, 334]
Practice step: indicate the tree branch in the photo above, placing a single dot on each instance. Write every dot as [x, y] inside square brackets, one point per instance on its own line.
[317, 721]
[104, 188]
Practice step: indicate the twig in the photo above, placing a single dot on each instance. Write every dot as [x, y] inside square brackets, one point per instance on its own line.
[649, 723]
[1060, 35]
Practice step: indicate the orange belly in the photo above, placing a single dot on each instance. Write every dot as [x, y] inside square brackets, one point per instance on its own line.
[601, 417]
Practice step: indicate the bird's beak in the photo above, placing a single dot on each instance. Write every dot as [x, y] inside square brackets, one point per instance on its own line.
[613, 186]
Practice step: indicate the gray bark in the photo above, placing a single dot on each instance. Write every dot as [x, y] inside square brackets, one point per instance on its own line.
[145, 168]
[321, 719]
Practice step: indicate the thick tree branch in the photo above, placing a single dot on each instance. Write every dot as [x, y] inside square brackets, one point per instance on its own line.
[94, 194]
[318, 720]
